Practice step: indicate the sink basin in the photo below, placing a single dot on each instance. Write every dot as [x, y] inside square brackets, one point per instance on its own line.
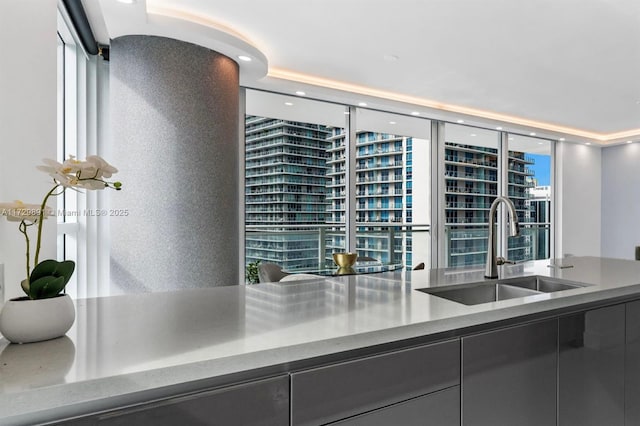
[542, 284]
[481, 293]
[494, 291]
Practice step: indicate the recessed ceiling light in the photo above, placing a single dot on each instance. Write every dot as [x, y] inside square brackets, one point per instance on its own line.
[473, 134]
[415, 113]
[532, 134]
[561, 139]
[510, 139]
[244, 58]
[127, 1]
[460, 121]
[392, 122]
[346, 113]
[498, 128]
[362, 104]
[540, 143]
[629, 141]
[288, 103]
[588, 143]
[300, 93]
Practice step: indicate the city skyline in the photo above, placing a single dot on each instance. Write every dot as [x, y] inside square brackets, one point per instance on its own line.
[296, 195]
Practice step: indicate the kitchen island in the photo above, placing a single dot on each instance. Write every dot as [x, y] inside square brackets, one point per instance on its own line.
[136, 350]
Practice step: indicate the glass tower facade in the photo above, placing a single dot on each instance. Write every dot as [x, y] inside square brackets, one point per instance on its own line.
[296, 196]
[383, 194]
[285, 190]
[471, 185]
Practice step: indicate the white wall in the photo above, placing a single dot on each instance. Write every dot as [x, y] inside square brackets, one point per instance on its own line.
[578, 189]
[27, 121]
[620, 200]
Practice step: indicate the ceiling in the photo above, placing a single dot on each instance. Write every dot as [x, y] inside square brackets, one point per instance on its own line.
[567, 67]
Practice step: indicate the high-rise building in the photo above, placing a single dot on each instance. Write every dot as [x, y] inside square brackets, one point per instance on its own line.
[285, 190]
[383, 194]
[540, 208]
[296, 196]
[471, 185]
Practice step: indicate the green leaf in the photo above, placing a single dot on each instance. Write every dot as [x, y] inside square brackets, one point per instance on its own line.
[53, 267]
[46, 287]
[49, 278]
[25, 287]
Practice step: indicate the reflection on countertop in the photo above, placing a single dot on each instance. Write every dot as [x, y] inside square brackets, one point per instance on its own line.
[44, 363]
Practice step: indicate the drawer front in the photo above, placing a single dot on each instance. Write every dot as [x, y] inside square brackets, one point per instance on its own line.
[440, 408]
[335, 392]
[509, 376]
[264, 402]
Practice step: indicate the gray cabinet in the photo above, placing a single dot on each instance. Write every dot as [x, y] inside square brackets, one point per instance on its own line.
[264, 402]
[437, 409]
[592, 368]
[336, 392]
[509, 376]
[632, 373]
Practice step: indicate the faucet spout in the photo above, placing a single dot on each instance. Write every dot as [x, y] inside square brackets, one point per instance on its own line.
[491, 269]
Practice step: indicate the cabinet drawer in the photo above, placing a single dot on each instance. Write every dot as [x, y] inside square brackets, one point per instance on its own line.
[263, 402]
[331, 393]
[509, 376]
[591, 368]
[441, 408]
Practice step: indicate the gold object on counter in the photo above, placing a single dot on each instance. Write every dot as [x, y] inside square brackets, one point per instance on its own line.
[345, 260]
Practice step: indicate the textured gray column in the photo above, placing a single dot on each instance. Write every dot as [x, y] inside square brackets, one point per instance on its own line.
[174, 121]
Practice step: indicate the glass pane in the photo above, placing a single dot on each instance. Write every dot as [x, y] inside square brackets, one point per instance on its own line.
[294, 202]
[530, 190]
[471, 185]
[393, 188]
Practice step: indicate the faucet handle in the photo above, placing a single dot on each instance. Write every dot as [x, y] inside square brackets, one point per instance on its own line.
[501, 261]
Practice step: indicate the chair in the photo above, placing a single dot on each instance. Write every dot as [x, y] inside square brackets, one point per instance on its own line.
[270, 273]
[300, 277]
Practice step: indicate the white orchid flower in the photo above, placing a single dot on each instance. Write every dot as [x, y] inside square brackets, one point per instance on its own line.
[105, 169]
[61, 173]
[74, 173]
[18, 211]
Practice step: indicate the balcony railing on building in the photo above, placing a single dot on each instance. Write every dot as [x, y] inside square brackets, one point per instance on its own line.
[467, 243]
[388, 242]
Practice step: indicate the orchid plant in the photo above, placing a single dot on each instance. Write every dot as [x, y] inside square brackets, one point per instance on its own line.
[49, 277]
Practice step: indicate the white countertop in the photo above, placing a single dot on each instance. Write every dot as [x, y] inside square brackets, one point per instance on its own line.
[124, 344]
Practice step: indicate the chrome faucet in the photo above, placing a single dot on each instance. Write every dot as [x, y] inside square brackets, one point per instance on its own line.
[491, 270]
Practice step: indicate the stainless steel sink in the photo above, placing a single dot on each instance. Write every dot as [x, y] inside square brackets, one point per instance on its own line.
[484, 292]
[481, 293]
[542, 284]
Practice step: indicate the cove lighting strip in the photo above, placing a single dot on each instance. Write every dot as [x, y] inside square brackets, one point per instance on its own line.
[393, 96]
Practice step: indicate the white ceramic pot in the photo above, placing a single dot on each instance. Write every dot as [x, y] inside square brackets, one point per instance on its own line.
[24, 321]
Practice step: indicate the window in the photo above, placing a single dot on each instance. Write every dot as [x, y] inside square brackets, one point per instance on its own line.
[473, 159]
[400, 208]
[297, 196]
[67, 207]
[530, 190]
[82, 106]
[295, 186]
[471, 165]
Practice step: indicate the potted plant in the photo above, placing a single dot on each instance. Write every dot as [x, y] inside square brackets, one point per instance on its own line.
[251, 273]
[46, 312]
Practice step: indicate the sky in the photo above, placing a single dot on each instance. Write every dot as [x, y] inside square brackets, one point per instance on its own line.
[541, 168]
